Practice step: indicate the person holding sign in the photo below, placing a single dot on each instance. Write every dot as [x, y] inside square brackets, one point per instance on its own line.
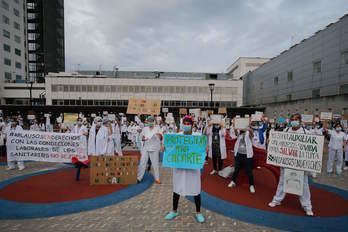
[337, 142]
[102, 138]
[151, 136]
[243, 152]
[305, 199]
[186, 182]
[15, 127]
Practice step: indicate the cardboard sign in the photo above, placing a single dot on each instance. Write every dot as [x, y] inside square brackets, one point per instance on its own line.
[196, 112]
[184, 151]
[241, 123]
[70, 117]
[112, 117]
[293, 181]
[183, 111]
[256, 117]
[45, 146]
[297, 151]
[307, 118]
[165, 110]
[222, 110]
[93, 115]
[31, 117]
[325, 115]
[142, 106]
[204, 114]
[215, 118]
[113, 170]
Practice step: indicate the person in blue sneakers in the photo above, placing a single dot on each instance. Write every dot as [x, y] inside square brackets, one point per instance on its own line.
[186, 182]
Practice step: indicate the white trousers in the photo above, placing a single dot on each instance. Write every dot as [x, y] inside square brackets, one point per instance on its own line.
[335, 155]
[12, 164]
[305, 199]
[154, 157]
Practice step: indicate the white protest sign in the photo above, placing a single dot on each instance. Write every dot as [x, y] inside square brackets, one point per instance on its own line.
[93, 115]
[325, 115]
[170, 115]
[31, 117]
[241, 123]
[307, 118]
[112, 117]
[256, 117]
[165, 110]
[297, 151]
[45, 146]
[215, 118]
[293, 181]
[205, 114]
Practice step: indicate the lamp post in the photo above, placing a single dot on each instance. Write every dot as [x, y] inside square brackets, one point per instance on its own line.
[211, 87]
[30, 92]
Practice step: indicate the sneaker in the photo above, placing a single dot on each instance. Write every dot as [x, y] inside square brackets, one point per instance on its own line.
[10, 168]
[345, 168]
[273, 204]
[20, 168]
[158, 182]
[231, 184]
[171, 215]
[252, 189]
[309, 213]
[212, 172]
[200, 217]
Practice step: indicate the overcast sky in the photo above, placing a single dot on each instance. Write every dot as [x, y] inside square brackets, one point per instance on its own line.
[187, 35]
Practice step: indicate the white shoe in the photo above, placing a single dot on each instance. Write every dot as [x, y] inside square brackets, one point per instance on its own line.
[212, 172]
[252, 189]
[345, 168]
[20, 168]
[10, 168]
[273, 204]
[309, 213]
[231, 184]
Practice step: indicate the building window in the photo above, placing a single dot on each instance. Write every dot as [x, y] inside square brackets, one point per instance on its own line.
[345, 57]
[316, 93]
[54, 88]
[90, 88]
[16, 25]
[66, 88]
[8, 76]
[7, 62]
[84, 88]
[261, 85]
[317, 67]
[18, 77]
[17, 39]
[290, 76]
[72, 88]
[17, 52]
[7, 48]
[344, 89]
[275, 81]
[16, 1]
[18, 65]
[16, 12]
[6, 20]
[288, 97]
[5, 5]
[6, 33]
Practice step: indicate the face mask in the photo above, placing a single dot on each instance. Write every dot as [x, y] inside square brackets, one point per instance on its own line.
[272, 126]
[150, 124]
[338, 129]
[295, 123]
[187, 128]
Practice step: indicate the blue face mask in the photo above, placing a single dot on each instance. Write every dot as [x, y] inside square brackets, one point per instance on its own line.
[187, 128]
[295, 123]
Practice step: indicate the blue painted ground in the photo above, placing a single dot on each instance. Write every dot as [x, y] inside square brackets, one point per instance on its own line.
[17, 210]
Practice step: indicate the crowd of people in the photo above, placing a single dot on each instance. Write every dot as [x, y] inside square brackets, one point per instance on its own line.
[108, 136]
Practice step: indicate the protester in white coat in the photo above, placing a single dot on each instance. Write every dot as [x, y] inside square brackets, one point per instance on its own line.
[305, 199]
[97, 123]
[117, 137]
[152, 137]
[81, 130]
[217, 145]
[12, 164]
[102, 138]
[186, 182]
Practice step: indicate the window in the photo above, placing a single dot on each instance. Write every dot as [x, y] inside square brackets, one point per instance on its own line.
[345, 57]
[317, 67]
[344, 89]
[288, 97]
[89, 88]
[17, 52]
[7, 48]
[54, 88]
[18, 65]
[6, 33]
[16, 25]
[7, 76]
[290, 76]
[84, 89]
[101, 88]
[18, 77]
[261, 85]
[5, 5]
[316, 93]
[95, 88]
[275, 81]
[7, 62]
[17, 39]
[6, 20]
[16, 12]
[66, 89]
[72, 88]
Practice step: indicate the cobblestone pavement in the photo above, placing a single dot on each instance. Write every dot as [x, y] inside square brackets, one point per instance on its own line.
[144, 212]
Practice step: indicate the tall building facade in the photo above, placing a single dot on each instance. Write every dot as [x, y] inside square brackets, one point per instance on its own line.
[310, 77]
[244, 65]
[45, 38]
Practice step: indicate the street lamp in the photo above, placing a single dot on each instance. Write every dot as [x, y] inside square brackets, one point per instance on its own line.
[30, 92]
[211, 87]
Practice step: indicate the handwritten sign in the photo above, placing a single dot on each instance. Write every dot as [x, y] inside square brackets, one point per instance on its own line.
[184, 151]
[222, 110]
[297, 151]
[182, 111]
[216, 118]
[307, 118]
[45, 146]
[70, 117]
[325, 115]
[241, 123]
[293, 181]
[144, 106]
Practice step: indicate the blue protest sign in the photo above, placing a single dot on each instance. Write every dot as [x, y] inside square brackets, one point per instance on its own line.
[184, 151]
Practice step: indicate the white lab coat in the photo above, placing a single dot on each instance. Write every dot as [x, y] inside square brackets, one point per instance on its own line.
[81, 130]
[248, 144]
[110, 150]
[256, 141]
[11, 164]
[92, 140]
[187, 182]
[232, 133]
[222, 134]
[116, 135]
[102, 141]
[335, 151]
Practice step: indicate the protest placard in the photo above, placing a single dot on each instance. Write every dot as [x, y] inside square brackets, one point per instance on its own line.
[45, 146]
[112, 117]
[204, 114]
[144, 106]
[325, 115]
[165, 110]
[31, 117]
[293, 181]
[184, 151]
[297, 151]
[113, 170]
[70, 117]
[307, 118]
[222, 110]
[215, 118]
[241, 123]
[182, 111]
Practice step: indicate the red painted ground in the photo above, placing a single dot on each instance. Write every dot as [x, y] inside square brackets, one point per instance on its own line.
[324, 203]
[58, 186]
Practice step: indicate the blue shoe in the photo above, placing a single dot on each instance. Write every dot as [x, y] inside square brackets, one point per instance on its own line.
[171, 215]
[200, 218]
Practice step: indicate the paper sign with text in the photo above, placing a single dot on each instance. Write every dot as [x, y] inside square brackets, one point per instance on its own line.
[307, 118]
[45, 146]
[144, 106]
[297, 151]
[325, 115]
[293, 181]
[241, 123]
[184, 151]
